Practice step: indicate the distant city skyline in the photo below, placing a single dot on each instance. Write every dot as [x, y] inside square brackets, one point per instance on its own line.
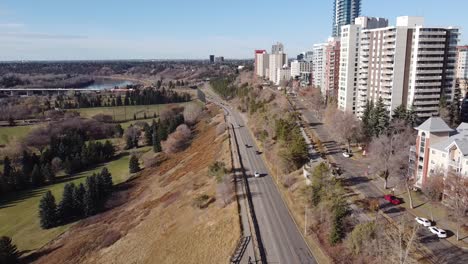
[119, 29]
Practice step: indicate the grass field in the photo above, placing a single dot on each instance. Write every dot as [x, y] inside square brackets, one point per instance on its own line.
[121, 113]
[7, 134]
[19, 212]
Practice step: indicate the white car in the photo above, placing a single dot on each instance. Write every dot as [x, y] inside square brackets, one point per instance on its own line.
[423, 221]
[437, 231]
[347, 154]
[256, 174]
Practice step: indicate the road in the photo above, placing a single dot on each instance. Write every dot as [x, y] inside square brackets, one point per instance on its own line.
[354, 171]
[279, 237]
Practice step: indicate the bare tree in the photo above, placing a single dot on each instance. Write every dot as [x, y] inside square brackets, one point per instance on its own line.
[192, 112]
[433, 189]
[456, 189]
[344, 127]
[225, 189]
[389, 152]
[178, 140]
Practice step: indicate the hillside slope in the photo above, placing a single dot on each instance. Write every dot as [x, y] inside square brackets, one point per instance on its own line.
[153, 219]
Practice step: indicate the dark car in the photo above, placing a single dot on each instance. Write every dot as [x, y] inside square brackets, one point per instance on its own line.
[392, 199]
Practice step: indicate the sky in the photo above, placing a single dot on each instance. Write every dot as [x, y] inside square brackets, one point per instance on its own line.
[187, 29]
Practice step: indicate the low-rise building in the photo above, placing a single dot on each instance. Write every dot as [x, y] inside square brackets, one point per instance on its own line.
[439, 148]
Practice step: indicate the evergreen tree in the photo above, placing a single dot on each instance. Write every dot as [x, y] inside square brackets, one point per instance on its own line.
[90, 200]
[162, 131]
[8, 251]
[366, 120]
[119, 130]
[108, 150]
[148, 134]
[48, 173]
[48, 211]
[379, 118]
[78, 200]
[134, 117]
[400, 113]
[66, 206]
[107, 178]
[101, 188]
[37, 179]
[7, 168]
[156, 143]
[129, 142]
[134, 165]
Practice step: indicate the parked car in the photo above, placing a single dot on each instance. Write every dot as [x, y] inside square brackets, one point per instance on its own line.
[437, 231]
[392, 199]
[256, 174]
[347, 154]
[423, 221]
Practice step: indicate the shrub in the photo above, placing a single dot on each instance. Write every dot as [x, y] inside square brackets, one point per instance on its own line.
[202, 201]
[191, 113]
[217, 170]
[360, 235]
[134, 164]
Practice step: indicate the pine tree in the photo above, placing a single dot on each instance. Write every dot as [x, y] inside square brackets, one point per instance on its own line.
[366, 120]
[78, 200]
[148, 134]
[134, 117]
[400, 113]
[90, 200]
[8, 251]
[134, 165]
[7, 168]
[119, 130]
[101, 189]
[107, 177]
[48, 173]
[156, 143]
[48, 211]
[37, 179]
[379, 119]
[66, 206]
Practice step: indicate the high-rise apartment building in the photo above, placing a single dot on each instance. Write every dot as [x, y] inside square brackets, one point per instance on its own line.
[344, 13]
[277, 48]
[212, 58]
[349, 60]
[261, 63]
[332, 68]
[276, 63]
[462, 69]
[407, 64]
[319, 65]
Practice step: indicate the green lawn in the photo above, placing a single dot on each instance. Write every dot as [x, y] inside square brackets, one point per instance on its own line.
[9, 133]
[121, 113]
[18, 212]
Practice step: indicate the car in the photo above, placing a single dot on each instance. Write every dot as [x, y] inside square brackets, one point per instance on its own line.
[437, 231]
[392, 199]
[423, 221]
[347, 154]
[258, 152]
[256, 174]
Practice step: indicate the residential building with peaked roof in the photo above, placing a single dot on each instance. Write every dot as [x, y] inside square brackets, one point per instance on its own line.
[439, 148]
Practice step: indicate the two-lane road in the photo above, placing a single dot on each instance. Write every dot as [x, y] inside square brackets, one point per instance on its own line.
[281, 239]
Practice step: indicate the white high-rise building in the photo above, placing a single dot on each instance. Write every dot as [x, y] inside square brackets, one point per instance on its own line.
[319, 65]
[349, 60]
[262, 61]
[276, 62]
[407, 64]
[462, 62]
[295, 68]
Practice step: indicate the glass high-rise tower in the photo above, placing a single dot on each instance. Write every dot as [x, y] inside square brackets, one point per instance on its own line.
[344, 13]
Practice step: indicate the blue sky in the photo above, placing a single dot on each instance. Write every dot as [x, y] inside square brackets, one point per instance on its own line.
[177, 29]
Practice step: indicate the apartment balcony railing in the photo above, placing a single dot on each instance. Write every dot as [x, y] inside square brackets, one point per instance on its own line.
[454, 164]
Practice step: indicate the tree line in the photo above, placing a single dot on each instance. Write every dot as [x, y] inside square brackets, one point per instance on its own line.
[33, 170]
[146, 96]
[154, 133]
[77, 201]
[294, 148]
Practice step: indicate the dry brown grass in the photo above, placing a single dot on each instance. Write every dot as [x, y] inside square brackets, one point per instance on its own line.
[153, 220]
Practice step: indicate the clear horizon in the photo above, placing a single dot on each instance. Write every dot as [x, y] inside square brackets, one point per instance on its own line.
[57, 30]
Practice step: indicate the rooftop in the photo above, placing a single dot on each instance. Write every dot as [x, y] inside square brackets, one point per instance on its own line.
[435, 124]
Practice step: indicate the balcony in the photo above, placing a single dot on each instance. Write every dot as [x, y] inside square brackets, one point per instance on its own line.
[454, 164]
